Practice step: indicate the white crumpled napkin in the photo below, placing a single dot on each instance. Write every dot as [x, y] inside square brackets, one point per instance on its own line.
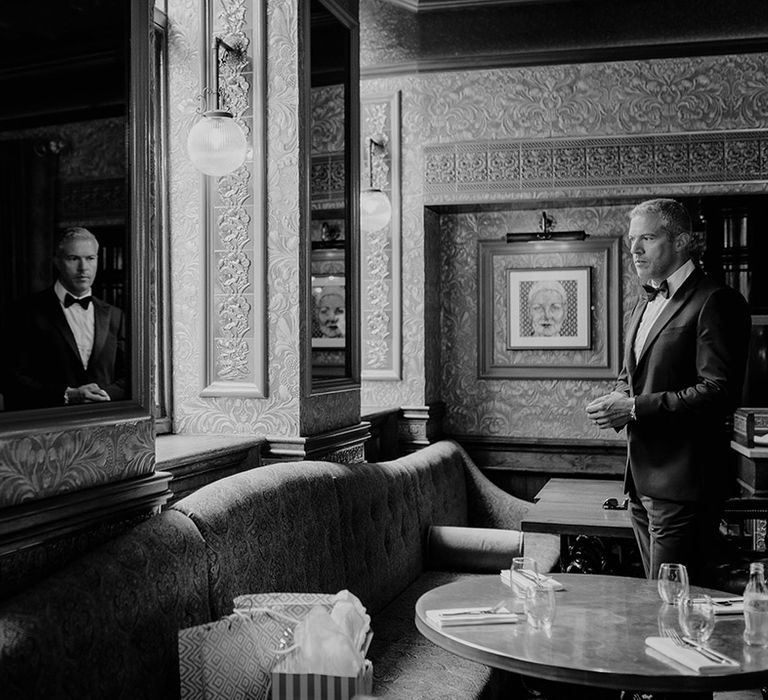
[691, 658]
[331, 643]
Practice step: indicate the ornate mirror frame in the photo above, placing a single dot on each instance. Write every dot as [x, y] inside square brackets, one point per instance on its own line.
[47, 453]
[339, 219]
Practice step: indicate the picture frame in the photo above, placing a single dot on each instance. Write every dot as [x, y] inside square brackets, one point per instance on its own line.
[591, 346]
[329, 311]
[549, 308]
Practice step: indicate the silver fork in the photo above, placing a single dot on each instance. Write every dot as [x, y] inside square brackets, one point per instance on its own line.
[679, 641]
[487, 611]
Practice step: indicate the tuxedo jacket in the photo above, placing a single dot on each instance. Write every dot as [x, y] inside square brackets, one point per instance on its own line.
[686, 382]
[43, 359]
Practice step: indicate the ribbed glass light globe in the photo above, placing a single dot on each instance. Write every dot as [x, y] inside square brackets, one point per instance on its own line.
[375, 210]
[216, 144]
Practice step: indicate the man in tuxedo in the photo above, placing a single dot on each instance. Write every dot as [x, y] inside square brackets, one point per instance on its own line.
[684, 363]
[66, 346]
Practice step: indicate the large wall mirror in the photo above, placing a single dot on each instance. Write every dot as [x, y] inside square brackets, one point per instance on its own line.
[333, 305]
[73, 155]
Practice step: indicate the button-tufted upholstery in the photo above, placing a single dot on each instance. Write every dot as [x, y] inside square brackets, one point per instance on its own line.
[319, 526]
[106, 626]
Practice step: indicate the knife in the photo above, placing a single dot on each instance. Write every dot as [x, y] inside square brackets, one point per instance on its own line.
[711, 654]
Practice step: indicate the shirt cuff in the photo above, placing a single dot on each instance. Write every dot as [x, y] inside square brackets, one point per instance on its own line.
[632, 413]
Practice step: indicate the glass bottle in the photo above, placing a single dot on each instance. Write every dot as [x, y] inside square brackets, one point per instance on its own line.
[756, 607]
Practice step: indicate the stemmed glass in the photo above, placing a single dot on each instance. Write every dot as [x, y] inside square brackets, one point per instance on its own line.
[673, 582]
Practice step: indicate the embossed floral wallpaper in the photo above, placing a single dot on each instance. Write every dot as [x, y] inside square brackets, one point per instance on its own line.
[499, 141]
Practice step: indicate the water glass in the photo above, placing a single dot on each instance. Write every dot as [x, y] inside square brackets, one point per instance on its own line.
[697, 617]
[540, 605]
[673, 582]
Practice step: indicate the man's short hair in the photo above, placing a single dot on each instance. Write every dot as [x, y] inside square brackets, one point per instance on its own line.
[675, 220]
[549, 285]
[75, 233]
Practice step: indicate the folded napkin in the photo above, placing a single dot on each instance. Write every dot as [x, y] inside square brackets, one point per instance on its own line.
[526, 581]
[692, 658]
[469, 616]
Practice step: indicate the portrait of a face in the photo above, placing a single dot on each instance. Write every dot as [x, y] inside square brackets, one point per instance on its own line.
[331, 314]
[548, 306]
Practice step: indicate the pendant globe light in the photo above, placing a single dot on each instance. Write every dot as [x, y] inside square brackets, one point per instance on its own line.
[216, 144]
[375, 207]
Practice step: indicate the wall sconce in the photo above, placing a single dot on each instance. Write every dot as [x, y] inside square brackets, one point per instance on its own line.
[375, 207]
[545, 233]
[216, 144]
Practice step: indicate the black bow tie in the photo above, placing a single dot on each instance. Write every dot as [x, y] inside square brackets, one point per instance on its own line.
[651, 291]
[83, 301]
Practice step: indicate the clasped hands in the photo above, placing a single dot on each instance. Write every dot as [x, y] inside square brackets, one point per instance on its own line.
[86, 393]
[610, 411]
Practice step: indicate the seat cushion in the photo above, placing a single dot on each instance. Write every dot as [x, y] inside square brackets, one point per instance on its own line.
[408, 665]
[106, 626]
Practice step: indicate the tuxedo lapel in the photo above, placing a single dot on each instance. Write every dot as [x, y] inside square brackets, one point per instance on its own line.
[56, 314]
[677, 302]
[629, 348]
[100, 327]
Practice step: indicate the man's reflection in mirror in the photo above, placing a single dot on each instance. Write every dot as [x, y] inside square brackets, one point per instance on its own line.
[65, 345]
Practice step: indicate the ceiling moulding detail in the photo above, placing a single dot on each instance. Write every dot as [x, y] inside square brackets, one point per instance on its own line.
[435, 5]
[501, 170]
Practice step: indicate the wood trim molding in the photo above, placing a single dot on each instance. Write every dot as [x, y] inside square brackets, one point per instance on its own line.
[544, 456]
[548, 57]
[38, 522]
[197, 460]
[344, 445]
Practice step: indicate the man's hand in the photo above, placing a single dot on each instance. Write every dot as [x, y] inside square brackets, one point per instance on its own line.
[86, 393]
[610, 411]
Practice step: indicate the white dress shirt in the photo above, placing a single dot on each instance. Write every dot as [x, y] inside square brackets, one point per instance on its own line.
[80, 322]
[654, 308]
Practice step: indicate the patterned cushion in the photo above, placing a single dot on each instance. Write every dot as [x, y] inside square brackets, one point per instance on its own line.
[407, 665]
[106, 626]
[273, 528]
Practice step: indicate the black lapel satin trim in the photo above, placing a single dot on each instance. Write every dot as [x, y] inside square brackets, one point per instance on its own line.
[677, 302]
[634, 324]
[100, 327]
[56, 313]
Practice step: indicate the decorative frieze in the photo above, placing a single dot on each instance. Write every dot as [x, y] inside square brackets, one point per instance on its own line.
[523, 166]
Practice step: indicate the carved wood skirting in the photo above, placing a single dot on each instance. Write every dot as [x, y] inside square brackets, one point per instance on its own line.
[523, 465]
[345, 445]
[420, 426]
[503, 170]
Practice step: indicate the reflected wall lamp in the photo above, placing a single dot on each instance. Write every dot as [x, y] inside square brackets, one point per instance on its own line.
[216, 144]
[546, 233]
[375, 207]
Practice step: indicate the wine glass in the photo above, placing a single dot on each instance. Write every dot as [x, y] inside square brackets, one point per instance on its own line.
[540, 605]
[697, 617]
[673, 582]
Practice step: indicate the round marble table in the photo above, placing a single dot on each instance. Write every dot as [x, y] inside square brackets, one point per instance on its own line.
[597, 638]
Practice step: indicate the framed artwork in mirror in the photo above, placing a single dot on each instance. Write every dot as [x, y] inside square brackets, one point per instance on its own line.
[329, 311]
[549, 308]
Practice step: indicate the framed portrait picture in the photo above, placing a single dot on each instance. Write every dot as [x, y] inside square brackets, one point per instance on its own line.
[329, 326]
[549, 308]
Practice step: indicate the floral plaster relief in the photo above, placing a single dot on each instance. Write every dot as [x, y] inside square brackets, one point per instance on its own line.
[625, 99]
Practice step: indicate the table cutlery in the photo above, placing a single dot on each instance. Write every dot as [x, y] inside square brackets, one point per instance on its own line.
[475, 611]
[708, 653]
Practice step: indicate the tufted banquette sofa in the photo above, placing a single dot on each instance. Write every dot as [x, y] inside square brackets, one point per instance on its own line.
[106, 626]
